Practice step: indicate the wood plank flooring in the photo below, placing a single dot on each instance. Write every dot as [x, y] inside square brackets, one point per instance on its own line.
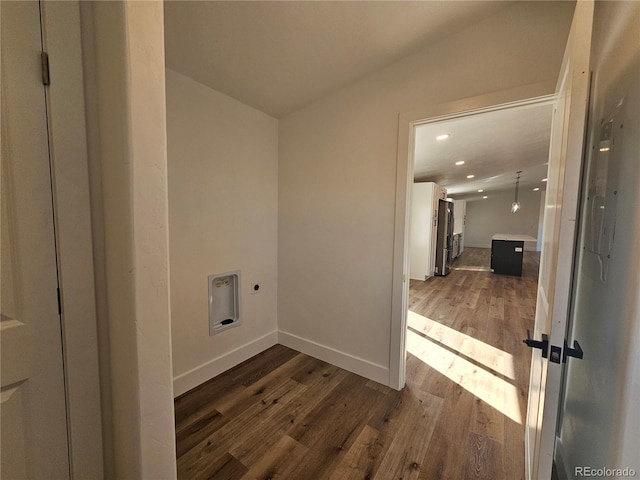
[284, 415]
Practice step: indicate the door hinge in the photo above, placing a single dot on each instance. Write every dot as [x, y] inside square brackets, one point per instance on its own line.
[59, 302]
[44, 60]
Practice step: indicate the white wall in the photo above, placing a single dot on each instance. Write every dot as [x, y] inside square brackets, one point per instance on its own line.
[601, 423]
[223, 205]
[337, 178]
[493, 215]
[124, 48]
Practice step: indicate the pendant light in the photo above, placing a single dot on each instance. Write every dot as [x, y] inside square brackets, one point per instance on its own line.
[515, 206]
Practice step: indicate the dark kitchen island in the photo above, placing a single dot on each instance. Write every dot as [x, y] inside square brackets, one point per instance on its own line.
[506, 253]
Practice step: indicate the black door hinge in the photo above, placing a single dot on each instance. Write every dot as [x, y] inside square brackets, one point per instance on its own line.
[44, 60]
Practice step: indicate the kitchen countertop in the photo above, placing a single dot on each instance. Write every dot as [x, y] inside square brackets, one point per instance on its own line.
[514, 237]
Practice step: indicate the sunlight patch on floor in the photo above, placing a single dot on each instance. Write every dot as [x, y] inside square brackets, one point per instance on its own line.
[472, 269]
[491, 357]
[489, 388]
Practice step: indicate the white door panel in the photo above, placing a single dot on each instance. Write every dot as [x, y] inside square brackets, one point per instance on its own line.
[558, 243]
[34, 429]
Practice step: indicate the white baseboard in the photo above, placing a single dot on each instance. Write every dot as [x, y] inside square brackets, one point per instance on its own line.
[359, 366]
[191, 379]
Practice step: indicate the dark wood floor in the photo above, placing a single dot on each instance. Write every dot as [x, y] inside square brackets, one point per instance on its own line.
[284, 415]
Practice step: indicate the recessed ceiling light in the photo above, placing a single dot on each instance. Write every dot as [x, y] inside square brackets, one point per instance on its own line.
[544, 179]
[485, 196]
[442, 136]
[480, 191]
[460, 162]
[470, 176]
[536, 189]
[604, 149]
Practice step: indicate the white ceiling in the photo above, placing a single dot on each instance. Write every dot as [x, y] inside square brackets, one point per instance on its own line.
[493, 145]
[281, 56]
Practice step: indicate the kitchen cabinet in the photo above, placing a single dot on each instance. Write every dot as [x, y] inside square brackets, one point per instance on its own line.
[457, 240]
[459, 221]
[423, 229]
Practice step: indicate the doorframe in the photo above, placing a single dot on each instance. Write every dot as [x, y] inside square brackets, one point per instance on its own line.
[407, 121]
[70, 183]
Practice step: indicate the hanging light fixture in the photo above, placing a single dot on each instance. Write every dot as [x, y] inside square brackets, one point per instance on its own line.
[515, 206]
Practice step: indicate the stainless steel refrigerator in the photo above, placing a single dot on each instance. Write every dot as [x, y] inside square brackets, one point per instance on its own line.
[444, 239]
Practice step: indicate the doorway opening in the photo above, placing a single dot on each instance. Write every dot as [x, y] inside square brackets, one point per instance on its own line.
[467, 326]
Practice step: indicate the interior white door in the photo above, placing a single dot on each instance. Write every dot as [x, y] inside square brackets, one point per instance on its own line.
[558, 244]
[33, 432]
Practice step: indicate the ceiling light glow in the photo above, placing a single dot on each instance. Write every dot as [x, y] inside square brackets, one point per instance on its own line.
[442, 136]
[480, 191]
[470, 176]
[536, 189]
[460, 162]
[485, 196]
[544, 179]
